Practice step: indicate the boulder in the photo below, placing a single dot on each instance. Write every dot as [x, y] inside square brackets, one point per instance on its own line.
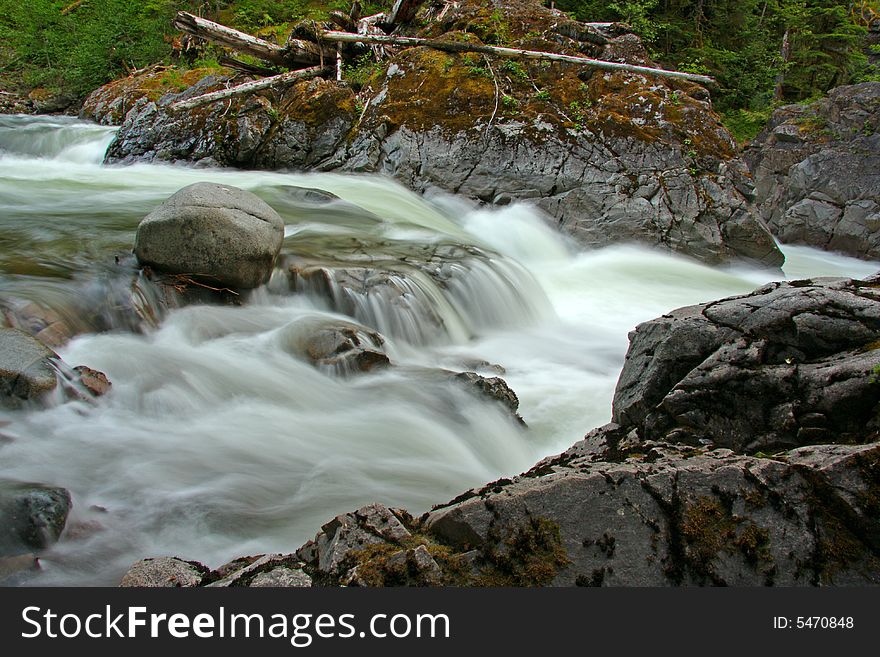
[32, 516]
[217, 233]
[789, 364]
[660, 515]
[164, 572]
[817, 171]
[26, 368]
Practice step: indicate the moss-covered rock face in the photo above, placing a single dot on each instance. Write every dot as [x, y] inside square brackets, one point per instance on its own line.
[610, 156]
[109, 104]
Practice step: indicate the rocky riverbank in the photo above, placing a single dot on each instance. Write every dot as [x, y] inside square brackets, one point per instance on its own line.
[744, 452]
[817, 171]
[610, 156]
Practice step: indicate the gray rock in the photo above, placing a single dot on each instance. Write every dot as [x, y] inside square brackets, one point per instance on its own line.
[269, 570]
[26, 370]
[338, 346]
[817, 171]
[668, 515]
[330, 555]
[224, 235]
[789, 364]
[32, 516]
[494, 388]
[164, 572]
[282, 577]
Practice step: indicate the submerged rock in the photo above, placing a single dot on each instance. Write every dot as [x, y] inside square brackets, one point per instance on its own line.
[336, 345]
[817, 171]
[789, 364]
[32, 516]
[26, 368]
[220, 234]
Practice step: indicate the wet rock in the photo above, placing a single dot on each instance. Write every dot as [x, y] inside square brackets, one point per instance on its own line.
[95, 382]
[494, 388]
[345, 348]
[164, 572]
[789, 364]
[220, 234]
[45, 324]
[12, 569]
[26, 368]
[817, 171]
[330, 554]
[276, 570]
[32, 516]
[673, 515]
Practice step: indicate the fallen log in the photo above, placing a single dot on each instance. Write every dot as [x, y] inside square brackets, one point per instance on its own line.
[296, 53]
[510, 53]
[250, 87]
[245, 67]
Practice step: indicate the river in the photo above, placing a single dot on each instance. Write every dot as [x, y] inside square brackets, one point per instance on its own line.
[218, 440]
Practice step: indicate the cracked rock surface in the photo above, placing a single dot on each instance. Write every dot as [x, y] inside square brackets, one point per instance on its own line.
[789, 364]
[817, 171]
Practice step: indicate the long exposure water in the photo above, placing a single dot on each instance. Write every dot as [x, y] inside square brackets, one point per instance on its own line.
[219, 439]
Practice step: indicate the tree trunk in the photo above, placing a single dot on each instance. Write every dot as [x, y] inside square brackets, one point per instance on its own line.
[250, 87]
[403, 11]
[296, 53]
[510, 53]
[786, 55]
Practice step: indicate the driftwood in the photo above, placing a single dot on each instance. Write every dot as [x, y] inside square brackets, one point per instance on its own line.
[510, 53]
[296, 53]
[250, 87]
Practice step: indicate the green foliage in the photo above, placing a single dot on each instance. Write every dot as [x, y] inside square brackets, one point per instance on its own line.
[514, 69]
[360, 72]
[87, 46]
[740, 43]
[745, 124]
[74, 48]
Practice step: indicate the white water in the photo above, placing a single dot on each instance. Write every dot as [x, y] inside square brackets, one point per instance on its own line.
[217, 440]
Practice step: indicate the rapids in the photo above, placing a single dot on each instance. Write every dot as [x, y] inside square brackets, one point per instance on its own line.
[218, 440]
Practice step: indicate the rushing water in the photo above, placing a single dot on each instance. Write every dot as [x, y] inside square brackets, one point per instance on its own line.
[219, 440]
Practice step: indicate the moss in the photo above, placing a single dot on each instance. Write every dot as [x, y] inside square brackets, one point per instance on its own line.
[391, 564]
[316, 102]
[436, 89]
[708, 527]
[529, 555]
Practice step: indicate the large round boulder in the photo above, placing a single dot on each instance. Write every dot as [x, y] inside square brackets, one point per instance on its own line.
[217, 233]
